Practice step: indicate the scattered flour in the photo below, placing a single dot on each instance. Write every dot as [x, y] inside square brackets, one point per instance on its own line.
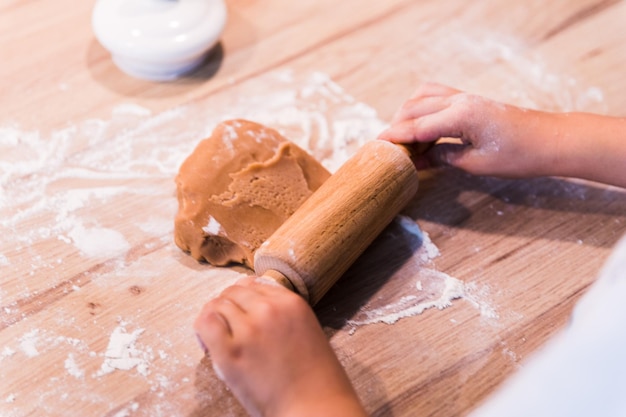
[98, 241]
[123, 354]
[127, 411]
[411, 305]
[72, 368]
[479, 297]
[530, 78]
[38, 342]
[28, 343]
[428, 288]
[7, 351]
[131, 109]
[213, 228]
[318, 115]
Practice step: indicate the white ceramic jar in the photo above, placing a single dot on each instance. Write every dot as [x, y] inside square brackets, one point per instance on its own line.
[158, 39]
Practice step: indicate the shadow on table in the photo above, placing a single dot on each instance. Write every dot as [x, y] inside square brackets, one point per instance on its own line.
[104, 71]
[489, 205]
[212, 395]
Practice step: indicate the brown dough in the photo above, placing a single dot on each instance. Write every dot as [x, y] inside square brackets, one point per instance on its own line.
[237, 187]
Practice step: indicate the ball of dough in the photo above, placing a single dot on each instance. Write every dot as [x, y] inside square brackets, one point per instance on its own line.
[237, 187]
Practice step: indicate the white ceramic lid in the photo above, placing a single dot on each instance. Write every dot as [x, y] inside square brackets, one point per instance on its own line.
[158, 39]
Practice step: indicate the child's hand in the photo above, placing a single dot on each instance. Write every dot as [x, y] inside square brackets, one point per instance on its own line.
[490, 138]
[267, 345]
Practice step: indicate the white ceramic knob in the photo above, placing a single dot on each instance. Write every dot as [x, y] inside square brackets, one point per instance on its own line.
[158, 39]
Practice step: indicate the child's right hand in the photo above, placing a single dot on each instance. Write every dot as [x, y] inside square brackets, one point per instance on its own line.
[490, 138]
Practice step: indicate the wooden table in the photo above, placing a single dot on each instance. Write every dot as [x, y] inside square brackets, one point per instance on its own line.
[88, 157]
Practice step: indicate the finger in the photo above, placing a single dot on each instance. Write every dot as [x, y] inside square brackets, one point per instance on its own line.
[245, 297]
[234, 315]
[253, 281]
[430, 89]
[426, 129]
[261, 284]
[212, 329]
[415, 108]
[427, 90]
[246, 281]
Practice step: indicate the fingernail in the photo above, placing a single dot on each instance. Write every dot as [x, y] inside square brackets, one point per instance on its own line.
[202, 345]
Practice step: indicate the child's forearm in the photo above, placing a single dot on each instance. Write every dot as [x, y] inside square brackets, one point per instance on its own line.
[591, 147]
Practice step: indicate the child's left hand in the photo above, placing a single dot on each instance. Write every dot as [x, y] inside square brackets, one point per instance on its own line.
[267, 345]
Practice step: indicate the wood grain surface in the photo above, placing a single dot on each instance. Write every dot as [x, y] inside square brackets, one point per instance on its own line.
[87, 160]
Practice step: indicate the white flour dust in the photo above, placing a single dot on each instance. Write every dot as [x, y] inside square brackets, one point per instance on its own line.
[130, 109]
[39, 341]
[72, 368]
[6, 352]
[98, 241]
[127, 411]
[28, 343]
[122, 353]
[418, 285]
[479, 297]
[425, 288]
[410, 305]
[516, 72]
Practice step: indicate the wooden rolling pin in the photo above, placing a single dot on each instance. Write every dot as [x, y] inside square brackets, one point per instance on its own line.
[319, 242]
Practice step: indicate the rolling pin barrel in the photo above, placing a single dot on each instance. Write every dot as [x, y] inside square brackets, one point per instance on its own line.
[320, 241]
